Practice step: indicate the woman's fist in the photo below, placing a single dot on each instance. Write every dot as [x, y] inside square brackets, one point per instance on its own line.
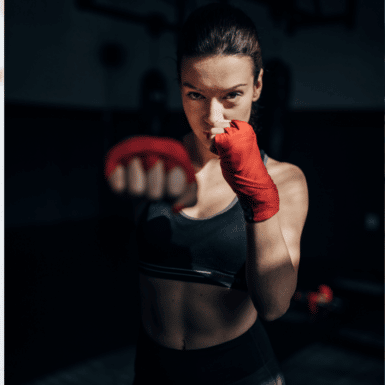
[154, 168]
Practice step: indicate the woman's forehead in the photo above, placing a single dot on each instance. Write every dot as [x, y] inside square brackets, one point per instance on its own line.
[217, 71]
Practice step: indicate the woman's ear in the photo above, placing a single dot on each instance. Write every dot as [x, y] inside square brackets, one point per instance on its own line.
[258, 86]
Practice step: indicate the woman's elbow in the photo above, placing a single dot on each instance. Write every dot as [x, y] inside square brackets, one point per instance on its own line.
[273, 316]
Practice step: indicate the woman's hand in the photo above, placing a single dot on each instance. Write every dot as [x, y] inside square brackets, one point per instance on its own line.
[154, 168]
[243, 169]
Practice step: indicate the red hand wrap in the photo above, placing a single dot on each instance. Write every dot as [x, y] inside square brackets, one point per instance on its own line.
[243, 169]
[150, 149]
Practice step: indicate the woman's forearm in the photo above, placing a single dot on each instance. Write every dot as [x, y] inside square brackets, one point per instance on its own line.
[270, 274]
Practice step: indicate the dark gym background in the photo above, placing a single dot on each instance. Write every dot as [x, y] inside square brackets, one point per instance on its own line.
[83, 75]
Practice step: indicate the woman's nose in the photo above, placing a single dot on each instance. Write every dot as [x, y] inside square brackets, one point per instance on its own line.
[214, 112]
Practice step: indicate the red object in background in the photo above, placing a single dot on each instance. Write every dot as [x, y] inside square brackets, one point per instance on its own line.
[326, 291]
[312, 302]
[324, 295]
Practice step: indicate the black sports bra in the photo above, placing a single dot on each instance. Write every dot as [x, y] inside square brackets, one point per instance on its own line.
[208, 250]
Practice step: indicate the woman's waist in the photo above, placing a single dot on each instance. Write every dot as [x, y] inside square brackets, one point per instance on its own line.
[193, 316]
[182, 334]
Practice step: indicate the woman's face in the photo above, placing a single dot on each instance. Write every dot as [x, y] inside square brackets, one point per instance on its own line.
[215, 89]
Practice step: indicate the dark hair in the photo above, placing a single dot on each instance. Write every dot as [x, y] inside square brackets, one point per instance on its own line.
[220, 29]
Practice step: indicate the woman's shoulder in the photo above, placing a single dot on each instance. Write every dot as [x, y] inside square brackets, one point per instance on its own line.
[283, 170]
[287, 177]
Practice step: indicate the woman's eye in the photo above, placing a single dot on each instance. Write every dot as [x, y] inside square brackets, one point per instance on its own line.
[194, 95]
[233, 95]
[230, 96]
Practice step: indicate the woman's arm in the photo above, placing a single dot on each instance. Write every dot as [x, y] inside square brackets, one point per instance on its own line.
[274, 246]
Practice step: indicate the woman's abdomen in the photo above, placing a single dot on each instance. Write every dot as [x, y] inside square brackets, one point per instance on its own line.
[189, 315]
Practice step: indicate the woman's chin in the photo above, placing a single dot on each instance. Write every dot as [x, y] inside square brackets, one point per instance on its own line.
[210, 145]
[207, 142]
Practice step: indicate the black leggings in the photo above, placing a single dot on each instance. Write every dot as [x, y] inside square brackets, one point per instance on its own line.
[246, 360]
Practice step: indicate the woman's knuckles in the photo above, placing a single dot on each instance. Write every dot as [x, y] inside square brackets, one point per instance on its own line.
[156, 180]
[176, 182]
[117, 179]
[149, 160]
[156, 183]
[136, 177]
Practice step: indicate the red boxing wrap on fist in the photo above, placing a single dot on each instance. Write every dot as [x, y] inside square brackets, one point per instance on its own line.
[150, 149]
[243, 169]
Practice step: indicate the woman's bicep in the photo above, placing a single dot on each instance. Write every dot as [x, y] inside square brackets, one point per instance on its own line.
[294, 204]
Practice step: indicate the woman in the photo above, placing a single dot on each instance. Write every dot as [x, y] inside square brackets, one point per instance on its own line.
[211, 271]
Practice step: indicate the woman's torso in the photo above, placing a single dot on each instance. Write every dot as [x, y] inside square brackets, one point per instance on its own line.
[190, 315]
